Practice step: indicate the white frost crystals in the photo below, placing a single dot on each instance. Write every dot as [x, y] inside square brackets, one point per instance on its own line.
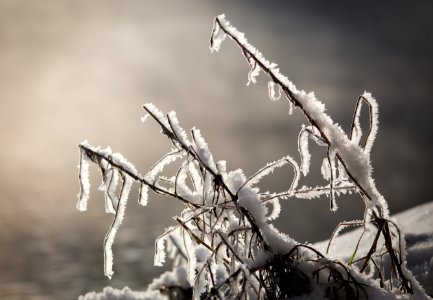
[344, 153]
[112, 166]
[218, 36]
[272, 93]
[84, 181]
[223, 245]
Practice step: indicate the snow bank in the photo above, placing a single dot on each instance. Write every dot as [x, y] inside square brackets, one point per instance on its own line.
[417, 225]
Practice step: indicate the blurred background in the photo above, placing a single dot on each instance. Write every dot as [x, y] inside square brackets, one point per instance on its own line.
[77, 70]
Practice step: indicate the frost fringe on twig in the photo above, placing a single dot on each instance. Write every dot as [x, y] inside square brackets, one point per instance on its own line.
[223, 245]
[342, 149]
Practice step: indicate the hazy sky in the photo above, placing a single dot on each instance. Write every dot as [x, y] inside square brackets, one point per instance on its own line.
[76, 70]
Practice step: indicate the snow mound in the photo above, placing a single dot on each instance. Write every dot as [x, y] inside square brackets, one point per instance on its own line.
[417, 225]
[124, 294]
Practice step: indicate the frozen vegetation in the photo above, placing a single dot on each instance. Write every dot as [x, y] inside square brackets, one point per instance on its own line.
[224, 244]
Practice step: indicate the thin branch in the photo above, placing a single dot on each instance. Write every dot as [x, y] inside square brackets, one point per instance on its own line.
[293, 98]
[137, 177]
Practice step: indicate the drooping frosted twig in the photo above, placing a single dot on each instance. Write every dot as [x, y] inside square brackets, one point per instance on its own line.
[355, 161]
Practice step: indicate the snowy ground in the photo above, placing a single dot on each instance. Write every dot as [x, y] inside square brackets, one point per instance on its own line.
[417, 224]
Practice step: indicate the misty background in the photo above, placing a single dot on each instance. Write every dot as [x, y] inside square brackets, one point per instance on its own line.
[80, 70]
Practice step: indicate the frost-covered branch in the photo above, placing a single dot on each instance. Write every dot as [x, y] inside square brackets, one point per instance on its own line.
[345, 154]
[96, 155]
[355, 160]
[224, 246]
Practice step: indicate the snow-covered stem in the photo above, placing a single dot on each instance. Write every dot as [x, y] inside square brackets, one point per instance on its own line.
[354, 158]
[224, 245]
[340, 227]
[355, 132]
[96, 155]
[217, 178]
[83, 176]
[313, 110]
[111, 234]
[187, 148]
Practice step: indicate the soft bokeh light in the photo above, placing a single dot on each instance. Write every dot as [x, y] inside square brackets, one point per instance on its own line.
[76, 70]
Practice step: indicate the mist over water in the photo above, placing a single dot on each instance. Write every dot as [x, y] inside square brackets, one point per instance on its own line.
[71, 71]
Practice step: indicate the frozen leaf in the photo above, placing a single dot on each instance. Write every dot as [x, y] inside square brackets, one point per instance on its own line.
[202, 150]
[253, 73]
[162, 163]
[276, 209]
[157, 115]
[356, 133]
[111, 234]
[374, 121]
[144, 118]
[303, 150]
[110, 191]
[271, 90]
[83, 197]
[159, 258]
[326, 169]
[217, 36]
[143, 194]
[177, 129]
